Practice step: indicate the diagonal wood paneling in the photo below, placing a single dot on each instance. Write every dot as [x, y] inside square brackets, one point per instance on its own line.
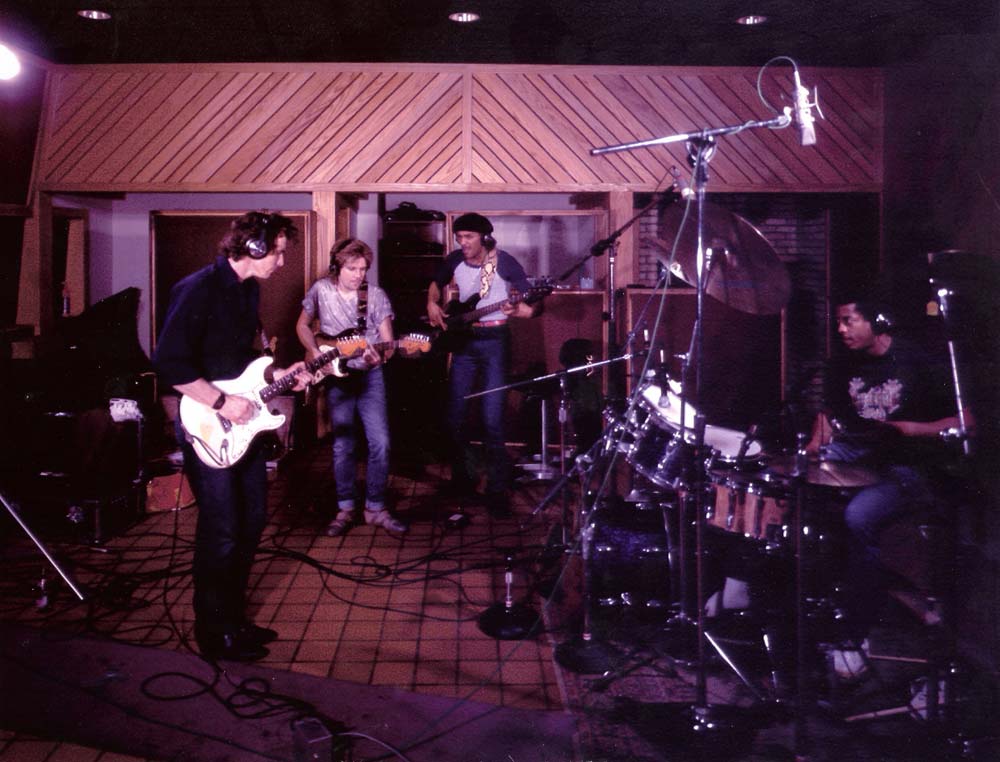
[273, 127]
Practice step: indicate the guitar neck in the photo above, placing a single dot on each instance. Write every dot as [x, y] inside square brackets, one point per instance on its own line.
[286, 382]
[478, 312]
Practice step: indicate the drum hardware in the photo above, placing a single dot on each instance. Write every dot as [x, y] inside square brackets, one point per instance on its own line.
[506, 620]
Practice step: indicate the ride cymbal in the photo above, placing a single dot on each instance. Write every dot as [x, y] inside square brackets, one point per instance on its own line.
[745, 272]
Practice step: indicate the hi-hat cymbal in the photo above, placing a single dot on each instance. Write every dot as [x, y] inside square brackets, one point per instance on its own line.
[827, 473]
[745, 272]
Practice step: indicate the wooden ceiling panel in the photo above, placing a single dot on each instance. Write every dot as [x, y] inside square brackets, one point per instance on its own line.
[381, 126]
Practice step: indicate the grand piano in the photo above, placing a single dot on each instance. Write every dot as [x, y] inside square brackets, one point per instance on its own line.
[74, 423]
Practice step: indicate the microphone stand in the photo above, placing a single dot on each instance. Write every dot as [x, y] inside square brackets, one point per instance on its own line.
[610, 244]
[41, 547]
[702, 725]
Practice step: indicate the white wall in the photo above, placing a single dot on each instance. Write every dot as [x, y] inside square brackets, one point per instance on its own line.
[119, 245]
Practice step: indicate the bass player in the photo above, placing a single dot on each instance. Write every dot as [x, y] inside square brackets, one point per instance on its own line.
[479, 269]
[208, 335]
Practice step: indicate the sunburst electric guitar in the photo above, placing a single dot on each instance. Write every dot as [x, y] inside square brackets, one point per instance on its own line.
[219, 442]
[409, 345]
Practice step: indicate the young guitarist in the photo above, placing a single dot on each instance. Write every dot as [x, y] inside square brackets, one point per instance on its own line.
[479, 268]
[208, 335]
[344, 301]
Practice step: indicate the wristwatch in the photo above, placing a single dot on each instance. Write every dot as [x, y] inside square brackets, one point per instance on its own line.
[219, 403]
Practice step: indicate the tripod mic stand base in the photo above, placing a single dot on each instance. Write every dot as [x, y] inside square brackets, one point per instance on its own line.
[509, 623]
[585, 656]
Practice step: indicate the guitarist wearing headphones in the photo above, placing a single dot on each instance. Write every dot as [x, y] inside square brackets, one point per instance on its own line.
[345, 302]
[208, 335]
[888, 400]
[484, 276]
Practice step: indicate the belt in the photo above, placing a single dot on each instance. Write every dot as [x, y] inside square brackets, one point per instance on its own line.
[489, 324]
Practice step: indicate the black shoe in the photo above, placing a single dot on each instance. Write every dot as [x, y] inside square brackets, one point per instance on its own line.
[499, 506]
[230, 647]
[261, 636]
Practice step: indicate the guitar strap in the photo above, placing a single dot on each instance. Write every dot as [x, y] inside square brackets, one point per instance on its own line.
[363, 306]
[486, 273]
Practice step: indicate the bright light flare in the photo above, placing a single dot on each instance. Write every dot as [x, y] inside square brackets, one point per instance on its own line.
[10, 66]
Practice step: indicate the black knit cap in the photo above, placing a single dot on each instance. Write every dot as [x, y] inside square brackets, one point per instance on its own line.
[474, 222]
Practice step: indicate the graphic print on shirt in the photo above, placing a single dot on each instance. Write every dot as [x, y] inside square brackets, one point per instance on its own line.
[878, 402]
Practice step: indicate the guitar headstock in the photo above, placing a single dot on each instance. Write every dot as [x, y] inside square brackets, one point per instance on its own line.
[532, 294]
[351, 344]
[413, 344]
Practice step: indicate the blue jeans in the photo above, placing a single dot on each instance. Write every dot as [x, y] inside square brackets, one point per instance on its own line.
[903, 490]
[486, 355]
[232, 512]
[363, 394]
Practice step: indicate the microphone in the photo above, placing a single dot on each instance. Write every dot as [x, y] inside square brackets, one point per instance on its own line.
[681, 185]
[750, 436]
[803, 111]
[605, 243]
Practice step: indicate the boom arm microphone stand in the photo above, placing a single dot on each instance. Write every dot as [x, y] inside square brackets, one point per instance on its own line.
[701, 721]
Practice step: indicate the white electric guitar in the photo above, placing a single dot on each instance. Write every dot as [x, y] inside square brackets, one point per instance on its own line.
[219, 442]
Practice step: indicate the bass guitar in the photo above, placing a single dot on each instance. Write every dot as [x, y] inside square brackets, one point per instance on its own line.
[220, 443]
[459, 315]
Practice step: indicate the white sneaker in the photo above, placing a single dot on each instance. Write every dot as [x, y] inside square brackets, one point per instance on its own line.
[850, 665]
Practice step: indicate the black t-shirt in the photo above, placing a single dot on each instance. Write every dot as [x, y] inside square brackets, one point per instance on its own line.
[907, 383]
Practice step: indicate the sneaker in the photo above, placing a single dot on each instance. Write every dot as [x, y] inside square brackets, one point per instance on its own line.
[851, 664]
[339, 526]
[385, 520]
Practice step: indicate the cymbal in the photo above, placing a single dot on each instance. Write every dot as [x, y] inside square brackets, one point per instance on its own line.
[827, 473]
[745, 273]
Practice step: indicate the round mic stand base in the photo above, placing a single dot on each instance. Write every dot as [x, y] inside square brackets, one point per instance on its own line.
[504, 622]
[585, 655]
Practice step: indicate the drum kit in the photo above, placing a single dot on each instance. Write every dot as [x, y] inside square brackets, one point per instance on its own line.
[709, 486]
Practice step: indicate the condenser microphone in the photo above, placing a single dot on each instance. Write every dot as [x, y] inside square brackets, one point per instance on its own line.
[804, 118]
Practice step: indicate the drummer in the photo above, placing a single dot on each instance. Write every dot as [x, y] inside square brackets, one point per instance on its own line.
[887, 401]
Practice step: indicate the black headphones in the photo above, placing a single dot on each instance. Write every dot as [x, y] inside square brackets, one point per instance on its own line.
[257, 246]
[877, 314]
[489, 241]
[881, 322]
[338, 247]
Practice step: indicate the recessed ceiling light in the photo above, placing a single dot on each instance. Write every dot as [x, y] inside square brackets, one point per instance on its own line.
[751, 20]
[464, 17]
[94, 15]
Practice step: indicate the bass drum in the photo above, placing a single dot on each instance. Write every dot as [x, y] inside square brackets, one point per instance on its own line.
[628, 563]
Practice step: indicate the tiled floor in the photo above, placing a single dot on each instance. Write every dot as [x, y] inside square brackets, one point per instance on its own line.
[367, 607]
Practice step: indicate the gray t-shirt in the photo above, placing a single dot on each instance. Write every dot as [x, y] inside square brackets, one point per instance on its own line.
[338, 313]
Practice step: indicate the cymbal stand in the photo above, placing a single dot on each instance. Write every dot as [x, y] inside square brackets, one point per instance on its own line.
[41, 547]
